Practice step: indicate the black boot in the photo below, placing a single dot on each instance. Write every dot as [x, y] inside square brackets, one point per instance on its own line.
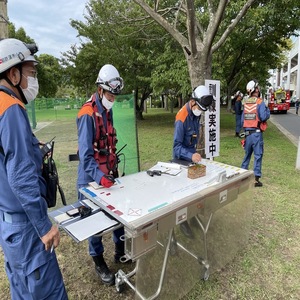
[119, 251]
[103, 271]
[186, 229]
[257, 182]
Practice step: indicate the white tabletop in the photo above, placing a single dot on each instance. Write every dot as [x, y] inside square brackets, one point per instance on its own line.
[139, 195]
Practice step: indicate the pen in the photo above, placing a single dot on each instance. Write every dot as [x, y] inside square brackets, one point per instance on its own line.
[52, 248]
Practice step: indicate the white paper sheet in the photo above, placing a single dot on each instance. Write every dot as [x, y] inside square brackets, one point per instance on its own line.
[89, 226]
[167, 168]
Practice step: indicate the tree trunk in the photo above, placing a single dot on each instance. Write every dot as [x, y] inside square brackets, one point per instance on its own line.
[139, 115]
[199, 70]
[138, 108]
[199, 67]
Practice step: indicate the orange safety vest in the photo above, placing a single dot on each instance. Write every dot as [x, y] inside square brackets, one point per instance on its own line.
[251, 119]
[105, 140]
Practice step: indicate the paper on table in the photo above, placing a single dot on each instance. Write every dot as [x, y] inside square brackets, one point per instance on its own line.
[167, 168]
[91, 204]
[169, 165]
[89, 226]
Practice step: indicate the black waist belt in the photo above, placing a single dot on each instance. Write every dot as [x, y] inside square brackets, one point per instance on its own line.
[248, 132]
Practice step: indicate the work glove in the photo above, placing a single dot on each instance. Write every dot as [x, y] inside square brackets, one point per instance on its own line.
[243, 143]
[107, 181]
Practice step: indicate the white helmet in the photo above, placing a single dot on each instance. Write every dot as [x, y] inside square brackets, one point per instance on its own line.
[13, 52]
[251, 86]
[237, 93]
[109, 79]
[202, 97]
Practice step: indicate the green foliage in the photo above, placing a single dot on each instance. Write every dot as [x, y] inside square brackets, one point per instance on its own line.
[170, 73]
[156, 103]
[133, 46]
[19, 34]
[256, 45]
[153, 61]
[49, 74]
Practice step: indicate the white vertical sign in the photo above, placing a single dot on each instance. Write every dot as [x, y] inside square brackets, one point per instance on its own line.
[212, 121]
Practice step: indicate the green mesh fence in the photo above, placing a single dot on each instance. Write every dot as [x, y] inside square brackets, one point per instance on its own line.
[125, 124]
[31, 113]
[51, 110]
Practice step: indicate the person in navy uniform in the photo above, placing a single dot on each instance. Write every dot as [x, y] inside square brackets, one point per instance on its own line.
[97, 139]
[238, 109]
[297, 103]
[27, 235]
[186, 133]
[255, 115]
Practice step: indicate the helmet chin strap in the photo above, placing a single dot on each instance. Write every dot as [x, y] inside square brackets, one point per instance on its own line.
[22, 94]
[100, 93]
[17, 86]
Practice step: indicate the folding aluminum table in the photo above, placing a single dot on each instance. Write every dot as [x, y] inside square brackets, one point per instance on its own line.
[168, 264]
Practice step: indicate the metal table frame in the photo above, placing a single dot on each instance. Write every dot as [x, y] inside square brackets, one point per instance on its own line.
[141, 234]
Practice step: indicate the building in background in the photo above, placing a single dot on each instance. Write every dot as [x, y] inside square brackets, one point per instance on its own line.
[288, 77]
[3, 19]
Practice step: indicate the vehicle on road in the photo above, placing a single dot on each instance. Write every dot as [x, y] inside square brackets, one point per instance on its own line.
[279, 101]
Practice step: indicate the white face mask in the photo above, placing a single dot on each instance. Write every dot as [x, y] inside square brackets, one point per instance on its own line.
[106, 103]
[197, 112]
[32, 89]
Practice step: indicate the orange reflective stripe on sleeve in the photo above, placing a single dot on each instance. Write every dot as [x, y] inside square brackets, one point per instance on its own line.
[85, 110]
[7, 101]
[182, 114]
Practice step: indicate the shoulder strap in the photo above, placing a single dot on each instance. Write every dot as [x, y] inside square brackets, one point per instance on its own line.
[259, 100]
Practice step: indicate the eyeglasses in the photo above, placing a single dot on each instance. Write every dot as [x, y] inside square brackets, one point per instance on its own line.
[31, 73]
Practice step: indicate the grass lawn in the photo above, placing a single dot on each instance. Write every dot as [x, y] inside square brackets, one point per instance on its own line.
[267, 268]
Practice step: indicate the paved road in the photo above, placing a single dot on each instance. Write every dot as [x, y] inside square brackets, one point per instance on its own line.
[288, 124]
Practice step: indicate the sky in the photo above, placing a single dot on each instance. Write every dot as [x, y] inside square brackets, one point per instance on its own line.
[48, 22]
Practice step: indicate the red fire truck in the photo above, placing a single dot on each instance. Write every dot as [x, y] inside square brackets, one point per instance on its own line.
[279, 101]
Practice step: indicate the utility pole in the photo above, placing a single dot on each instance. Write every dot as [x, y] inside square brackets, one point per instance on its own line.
[3, 19]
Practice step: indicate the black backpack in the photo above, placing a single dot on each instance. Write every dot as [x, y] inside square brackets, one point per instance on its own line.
[50, 175]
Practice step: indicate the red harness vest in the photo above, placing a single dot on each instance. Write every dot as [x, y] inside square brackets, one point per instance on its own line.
[251, 119]
[105, 140]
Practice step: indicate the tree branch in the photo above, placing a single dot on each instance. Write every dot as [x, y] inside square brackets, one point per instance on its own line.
[183, 41]
[230, 28]
[214, 23]
[191, 26]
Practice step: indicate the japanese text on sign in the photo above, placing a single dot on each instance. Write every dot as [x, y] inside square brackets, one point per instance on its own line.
[212, 121]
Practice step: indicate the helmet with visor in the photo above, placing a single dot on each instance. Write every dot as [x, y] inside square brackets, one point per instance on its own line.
[109, 79]
[202, 97]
